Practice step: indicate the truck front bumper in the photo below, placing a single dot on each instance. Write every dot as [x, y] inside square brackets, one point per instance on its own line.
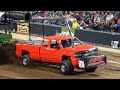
[92, 61]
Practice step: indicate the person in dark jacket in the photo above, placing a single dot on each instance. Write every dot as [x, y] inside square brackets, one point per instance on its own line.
[95, 26]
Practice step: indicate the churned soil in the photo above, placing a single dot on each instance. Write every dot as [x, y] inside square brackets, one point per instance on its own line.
[7, 54]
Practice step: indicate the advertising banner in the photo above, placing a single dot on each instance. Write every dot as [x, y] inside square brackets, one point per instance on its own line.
[23, 27]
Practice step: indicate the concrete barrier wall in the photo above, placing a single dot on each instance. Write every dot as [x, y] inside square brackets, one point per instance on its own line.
[49, 30]
[97, 37]
[35, 28]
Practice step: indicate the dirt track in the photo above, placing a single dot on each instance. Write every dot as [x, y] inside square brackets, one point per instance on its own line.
[10, 68]
[10, 71]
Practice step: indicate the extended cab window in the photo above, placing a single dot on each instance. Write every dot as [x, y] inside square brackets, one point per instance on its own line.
[45, 42]
[68, 42]
[54, 44]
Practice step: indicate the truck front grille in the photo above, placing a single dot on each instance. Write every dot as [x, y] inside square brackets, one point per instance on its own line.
[85, 53]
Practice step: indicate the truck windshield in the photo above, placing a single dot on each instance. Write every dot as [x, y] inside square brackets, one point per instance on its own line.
[68, 42]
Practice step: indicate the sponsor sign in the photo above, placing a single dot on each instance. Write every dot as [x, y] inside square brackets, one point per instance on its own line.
[23, 27]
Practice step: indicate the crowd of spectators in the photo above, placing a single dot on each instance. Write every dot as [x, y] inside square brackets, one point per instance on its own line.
[108, 21]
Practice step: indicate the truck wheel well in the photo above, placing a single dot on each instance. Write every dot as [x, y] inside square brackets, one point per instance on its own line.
[64, 57]
[24, 52]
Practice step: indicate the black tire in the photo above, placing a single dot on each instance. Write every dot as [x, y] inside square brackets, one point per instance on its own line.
[66, 67]
[91, 69]
[26, 61]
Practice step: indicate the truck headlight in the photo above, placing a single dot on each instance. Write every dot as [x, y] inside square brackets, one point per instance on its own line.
[96, 50]
[77, 54]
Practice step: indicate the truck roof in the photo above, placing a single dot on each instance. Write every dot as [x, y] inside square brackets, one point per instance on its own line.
[58, 37]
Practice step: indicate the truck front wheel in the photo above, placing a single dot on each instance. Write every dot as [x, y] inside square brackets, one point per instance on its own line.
[26, 61]
[66, 67]
[91, 69]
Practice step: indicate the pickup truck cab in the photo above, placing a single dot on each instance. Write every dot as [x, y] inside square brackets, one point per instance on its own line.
[58, 50]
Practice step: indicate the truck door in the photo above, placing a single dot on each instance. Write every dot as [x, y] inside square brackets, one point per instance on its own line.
[44, 51]
[53, 52]
[35, 54]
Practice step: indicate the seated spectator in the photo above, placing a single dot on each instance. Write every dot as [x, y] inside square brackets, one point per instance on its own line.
[117, 27]
[82, 23]
[107, 27]
[90, 24]
[118, 24]
[109, 17]
[102, 27]
[95, 26]
[97, 18]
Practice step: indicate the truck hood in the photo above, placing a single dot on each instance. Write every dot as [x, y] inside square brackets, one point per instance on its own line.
[81, 48]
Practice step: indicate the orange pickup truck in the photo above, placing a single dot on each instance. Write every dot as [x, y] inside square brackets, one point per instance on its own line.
[58, 50]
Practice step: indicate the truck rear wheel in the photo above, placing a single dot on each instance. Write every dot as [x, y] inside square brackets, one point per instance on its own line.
[26, 61]
[91, 69]
[66, 67]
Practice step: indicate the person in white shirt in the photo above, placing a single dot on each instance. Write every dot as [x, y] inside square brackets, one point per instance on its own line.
[109, 17]
[97, 18]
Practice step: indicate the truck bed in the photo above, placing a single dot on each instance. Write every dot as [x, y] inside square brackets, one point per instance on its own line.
[35, 42]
